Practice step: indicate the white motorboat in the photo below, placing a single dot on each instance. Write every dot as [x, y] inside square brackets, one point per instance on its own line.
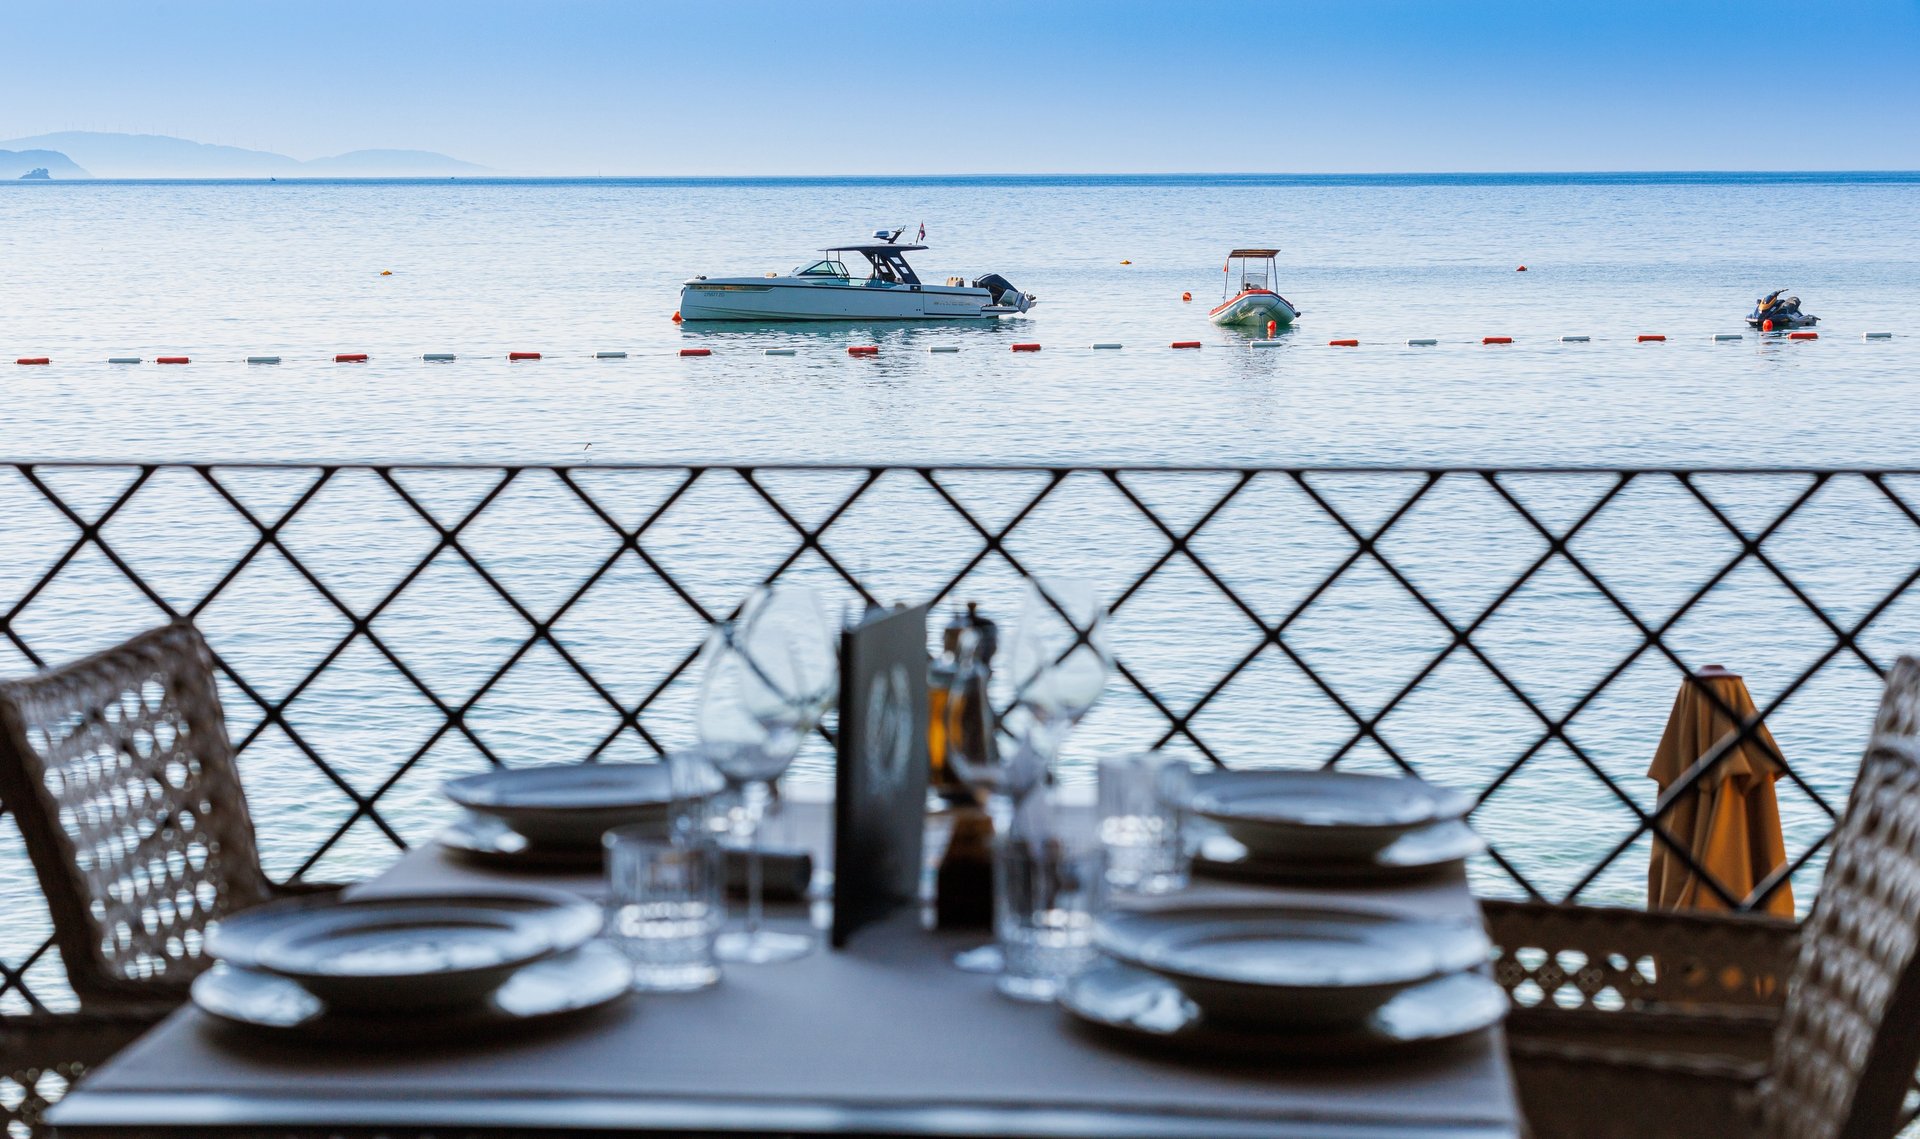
[1249, 297]
[825, 290]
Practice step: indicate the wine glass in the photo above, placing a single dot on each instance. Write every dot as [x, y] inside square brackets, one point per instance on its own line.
[1060, 663]
[771, 674]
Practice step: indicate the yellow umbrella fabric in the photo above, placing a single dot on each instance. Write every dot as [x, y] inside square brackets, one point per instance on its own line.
[1729, 819]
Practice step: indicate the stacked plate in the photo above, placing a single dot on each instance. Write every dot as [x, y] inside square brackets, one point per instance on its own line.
[555, 815]
[1328, 827]
[410, 965]
[1261, 979]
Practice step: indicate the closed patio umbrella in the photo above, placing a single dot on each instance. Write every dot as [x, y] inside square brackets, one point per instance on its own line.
[1729, 819]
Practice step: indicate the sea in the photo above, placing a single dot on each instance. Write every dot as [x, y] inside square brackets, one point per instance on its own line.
[306, 270]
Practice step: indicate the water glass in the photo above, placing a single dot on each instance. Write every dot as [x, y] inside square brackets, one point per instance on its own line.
[703, 805]
[665, 907]
[1047, 890]
[1142, 801]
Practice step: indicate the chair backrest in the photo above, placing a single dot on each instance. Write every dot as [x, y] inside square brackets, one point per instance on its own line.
[1849, 1036]
[120, 774]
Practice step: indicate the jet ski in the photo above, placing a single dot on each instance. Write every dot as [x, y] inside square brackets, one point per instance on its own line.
[1777, 313]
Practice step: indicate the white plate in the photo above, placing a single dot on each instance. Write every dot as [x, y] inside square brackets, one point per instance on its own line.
[1289, 964]
[1320, 814]
[569, 804]
[585, 978]
[410, 951]
[1148, 1008]
[1415, 854]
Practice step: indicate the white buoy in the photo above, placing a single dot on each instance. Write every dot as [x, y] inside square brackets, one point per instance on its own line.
[1575, 339]
[609, 355]
[1876, 336]
[1723, 337]
[438, 357]
[263, 359]
[1107, 346]
[783, 351]
[123, 359]
[944, 348]
[1265, 343]
[1422, 342]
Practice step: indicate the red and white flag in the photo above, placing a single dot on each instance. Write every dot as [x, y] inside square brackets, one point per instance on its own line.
[923, 232]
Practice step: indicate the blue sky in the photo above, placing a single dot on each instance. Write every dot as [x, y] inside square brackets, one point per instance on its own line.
[948, 86]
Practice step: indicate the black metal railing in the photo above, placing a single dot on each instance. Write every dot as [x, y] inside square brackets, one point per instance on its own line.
[1518, 632]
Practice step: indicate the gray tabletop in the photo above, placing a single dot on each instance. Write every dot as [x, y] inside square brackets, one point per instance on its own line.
[882, 1038]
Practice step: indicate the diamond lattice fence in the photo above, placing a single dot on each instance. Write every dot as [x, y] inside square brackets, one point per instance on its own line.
[1520, 634]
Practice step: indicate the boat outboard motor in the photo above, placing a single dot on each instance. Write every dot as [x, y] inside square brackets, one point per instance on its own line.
[1004, 293]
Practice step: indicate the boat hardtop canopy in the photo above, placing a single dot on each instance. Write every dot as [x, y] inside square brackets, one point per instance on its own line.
[1254, 253]
[870, 248]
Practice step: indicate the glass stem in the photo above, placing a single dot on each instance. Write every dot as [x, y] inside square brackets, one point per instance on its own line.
[756, 903]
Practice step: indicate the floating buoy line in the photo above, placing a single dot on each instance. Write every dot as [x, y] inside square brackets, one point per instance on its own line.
[1271, 341]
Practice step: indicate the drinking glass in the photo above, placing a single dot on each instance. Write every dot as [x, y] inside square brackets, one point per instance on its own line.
[1060, 664]
[1142, 807]
[771, 674]
[665, 907]
[1048, 888]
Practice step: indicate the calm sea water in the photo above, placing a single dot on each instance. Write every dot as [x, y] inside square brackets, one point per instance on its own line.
[218, 272]
[222, 271]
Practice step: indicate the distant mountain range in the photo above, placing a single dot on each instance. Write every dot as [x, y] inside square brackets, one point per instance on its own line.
[96, 154]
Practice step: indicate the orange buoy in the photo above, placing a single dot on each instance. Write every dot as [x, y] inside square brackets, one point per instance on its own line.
[1766, 325]
[1273, 326]
[863, 350]
[1343, 344]
[1496, 340]
[1521, 269]
[1648, 337]
[1803, 336]
[696, 351]
[523, 355]
[1186, 344]
[676, 316]
[1126, 262]
[1026, 348]
[1186, 296]
[350, 358]
[386, 272]
[33, 360]
[169, 359]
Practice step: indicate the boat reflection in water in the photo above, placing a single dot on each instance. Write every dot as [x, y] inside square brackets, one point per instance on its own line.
[825, 290]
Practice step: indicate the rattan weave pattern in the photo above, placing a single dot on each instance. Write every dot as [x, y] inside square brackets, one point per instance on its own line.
[123, 783]
[1850, 1033]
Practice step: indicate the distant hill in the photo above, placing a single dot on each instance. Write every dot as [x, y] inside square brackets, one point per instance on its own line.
[15, 163]
[161, 156]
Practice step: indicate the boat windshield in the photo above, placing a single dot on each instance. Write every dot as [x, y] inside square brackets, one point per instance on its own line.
[822, 269]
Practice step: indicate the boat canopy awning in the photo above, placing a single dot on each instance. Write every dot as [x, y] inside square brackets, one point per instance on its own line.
[873, 248]
[1254, 253]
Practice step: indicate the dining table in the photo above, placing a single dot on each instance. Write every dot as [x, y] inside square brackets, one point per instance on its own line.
[884, 1037]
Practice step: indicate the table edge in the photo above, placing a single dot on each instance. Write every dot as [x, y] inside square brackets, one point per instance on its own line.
[105, 1111]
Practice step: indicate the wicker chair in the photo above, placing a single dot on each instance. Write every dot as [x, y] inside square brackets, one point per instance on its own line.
[1748, 1026]
[120, 775]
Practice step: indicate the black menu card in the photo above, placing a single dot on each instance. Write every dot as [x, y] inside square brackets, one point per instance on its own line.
[880, 782]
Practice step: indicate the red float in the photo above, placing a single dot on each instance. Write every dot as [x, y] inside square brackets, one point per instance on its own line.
[350, 358]
[1343, 344]
[170, 359]
[1186, 344]
[1026, 348]
[523, 355]
[1496, 340]
[33, 360]
[1803, 336]
[696, 351]
[863, 350]
[1649, 337]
